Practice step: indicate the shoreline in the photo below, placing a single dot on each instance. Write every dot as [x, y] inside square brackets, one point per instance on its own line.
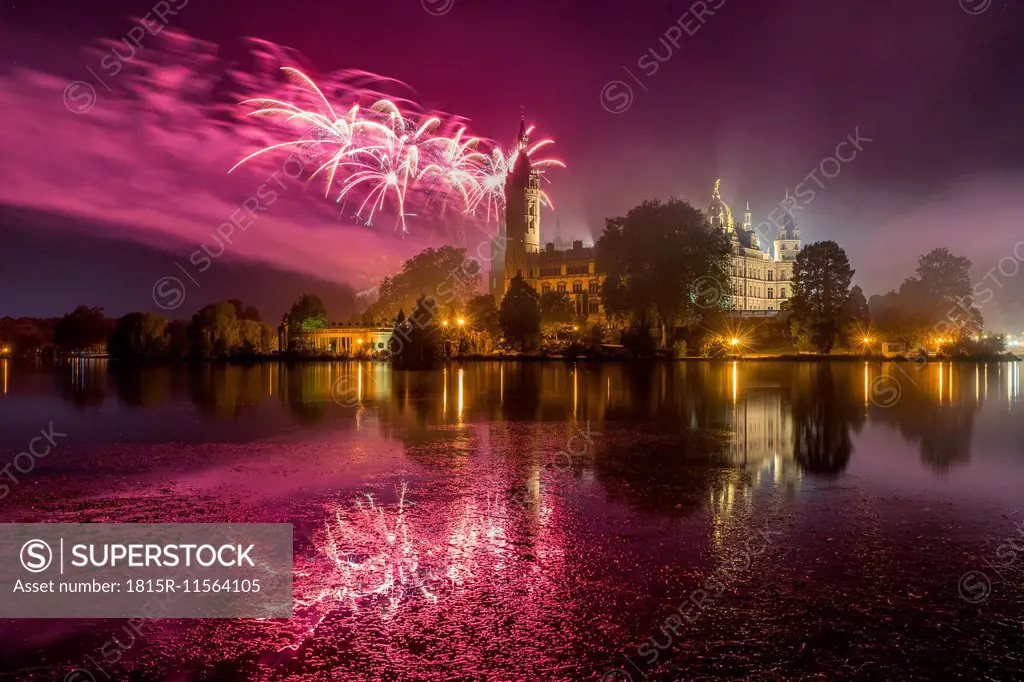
[303, 359]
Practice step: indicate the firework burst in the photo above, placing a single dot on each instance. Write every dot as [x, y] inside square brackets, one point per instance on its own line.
[387, 156]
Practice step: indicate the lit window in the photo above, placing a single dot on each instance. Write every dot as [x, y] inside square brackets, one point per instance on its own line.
[577, 287]
[561, 287]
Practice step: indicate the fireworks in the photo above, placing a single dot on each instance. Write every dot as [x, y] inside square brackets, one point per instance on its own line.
[386, 160]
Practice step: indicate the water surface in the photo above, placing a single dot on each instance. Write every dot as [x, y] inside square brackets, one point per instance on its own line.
[759, 520]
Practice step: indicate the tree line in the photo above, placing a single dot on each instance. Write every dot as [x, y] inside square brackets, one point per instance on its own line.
[225, 329]
[652, 259]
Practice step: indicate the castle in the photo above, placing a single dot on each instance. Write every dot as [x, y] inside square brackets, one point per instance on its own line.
[516, 252]
[760, 278]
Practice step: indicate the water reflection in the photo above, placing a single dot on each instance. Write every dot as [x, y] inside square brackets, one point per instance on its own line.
[85, 382]
[442, 507]
[937, 404]
[826, 408]
[772, 421]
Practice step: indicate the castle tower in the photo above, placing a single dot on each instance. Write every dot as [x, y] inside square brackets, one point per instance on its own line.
[559, 242]
[522, 214]
[788, 243]
[748, 219]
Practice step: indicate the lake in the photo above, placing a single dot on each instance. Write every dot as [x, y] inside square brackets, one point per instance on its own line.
[549, 520]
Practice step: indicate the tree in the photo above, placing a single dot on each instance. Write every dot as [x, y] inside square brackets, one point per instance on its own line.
[139, 336]
[556, 308]
[177, 338]
[255, 337]
[945, 276]
[652, 258]
[214, 330]
[935, 302]
[856, 317]
[244, 312]
[821, 291]
[83, 329]
[26, 335]
[308, 312]
[416, 340]
[483, 315]
[444, 274]
[519, 314]
[945, 283]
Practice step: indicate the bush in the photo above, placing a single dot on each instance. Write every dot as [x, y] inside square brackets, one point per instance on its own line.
[715, 347]
[638, 341]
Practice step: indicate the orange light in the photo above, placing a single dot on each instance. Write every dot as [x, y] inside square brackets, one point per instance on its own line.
[734, 341]
[359, 341]
[867, 339]
[444, 323]
[461, 322]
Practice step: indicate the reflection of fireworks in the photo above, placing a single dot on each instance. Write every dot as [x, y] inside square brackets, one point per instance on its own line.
[372, 558]
[381, 155]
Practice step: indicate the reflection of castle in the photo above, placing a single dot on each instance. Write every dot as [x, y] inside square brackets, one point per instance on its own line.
[763, 436]
[760, 278]
[761, 447]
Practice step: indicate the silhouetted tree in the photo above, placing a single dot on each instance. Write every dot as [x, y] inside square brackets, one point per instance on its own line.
[556, 308]
[416, 340]
[821, 291]
[938, 301]
[483, 315]
[83, 329]
[519, 314]
[653, 256]
[444, 274]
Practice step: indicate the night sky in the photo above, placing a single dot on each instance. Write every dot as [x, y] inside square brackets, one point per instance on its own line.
[758, 95]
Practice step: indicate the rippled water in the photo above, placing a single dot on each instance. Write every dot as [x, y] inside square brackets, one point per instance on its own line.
[768, 521]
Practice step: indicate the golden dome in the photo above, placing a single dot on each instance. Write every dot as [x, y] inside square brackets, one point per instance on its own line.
[718, 211]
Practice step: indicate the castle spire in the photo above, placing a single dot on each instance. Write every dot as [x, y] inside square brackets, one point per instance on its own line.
[523, 139]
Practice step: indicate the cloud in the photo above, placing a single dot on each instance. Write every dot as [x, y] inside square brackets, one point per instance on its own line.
[147, 161]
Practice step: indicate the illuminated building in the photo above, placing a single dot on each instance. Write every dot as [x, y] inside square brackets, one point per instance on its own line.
[517, 252]
[761, 275]
[337, 337]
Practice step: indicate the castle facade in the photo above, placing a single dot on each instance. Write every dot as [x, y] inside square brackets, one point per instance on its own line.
[761, 274]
